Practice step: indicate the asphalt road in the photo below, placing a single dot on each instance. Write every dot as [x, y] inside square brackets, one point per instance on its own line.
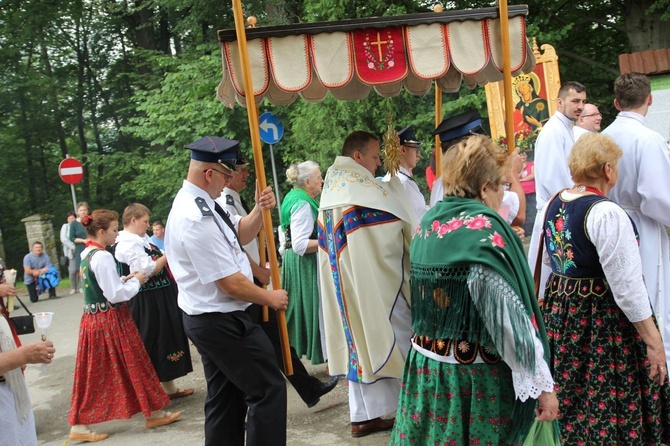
[325, 424]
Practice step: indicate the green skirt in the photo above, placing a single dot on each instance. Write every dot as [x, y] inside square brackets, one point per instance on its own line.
[302, 316]
[454, 404]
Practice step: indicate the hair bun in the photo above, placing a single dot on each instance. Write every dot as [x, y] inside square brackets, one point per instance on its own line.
[86, 220]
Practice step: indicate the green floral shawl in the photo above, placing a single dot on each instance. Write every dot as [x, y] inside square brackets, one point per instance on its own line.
[452, 236]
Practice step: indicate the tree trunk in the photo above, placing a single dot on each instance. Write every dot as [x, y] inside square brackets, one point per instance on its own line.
[141, 24]
[27, 147]
[645, 31]
[53, 98]
[164, 32]
[80, 102]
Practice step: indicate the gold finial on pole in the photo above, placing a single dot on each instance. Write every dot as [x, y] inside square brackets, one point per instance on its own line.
[392, 150]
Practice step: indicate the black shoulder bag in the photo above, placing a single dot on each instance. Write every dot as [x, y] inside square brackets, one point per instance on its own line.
[23, 324]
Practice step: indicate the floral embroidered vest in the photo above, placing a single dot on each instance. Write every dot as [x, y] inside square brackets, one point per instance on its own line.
[569, 247]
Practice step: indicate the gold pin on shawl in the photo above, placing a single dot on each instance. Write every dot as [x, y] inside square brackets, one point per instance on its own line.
[392, 151]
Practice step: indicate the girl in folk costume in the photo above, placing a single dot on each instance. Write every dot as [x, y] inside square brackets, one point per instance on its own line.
[299, 272]
[154, 309]
[479, 362]
[113, 376]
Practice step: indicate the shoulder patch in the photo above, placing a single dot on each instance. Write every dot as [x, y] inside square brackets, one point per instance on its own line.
[204, 208]
[229, 200]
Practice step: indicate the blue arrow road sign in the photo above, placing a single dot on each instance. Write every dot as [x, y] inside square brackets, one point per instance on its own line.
[271, 128]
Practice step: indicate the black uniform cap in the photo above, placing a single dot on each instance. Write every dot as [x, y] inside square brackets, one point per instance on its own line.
[407, 138]
[212, 149]
[460, 125]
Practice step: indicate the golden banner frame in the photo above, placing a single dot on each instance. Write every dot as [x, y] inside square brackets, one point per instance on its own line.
[545, 82]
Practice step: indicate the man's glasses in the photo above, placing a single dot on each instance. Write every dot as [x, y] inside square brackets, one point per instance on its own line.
[599, 115]
[225, 175]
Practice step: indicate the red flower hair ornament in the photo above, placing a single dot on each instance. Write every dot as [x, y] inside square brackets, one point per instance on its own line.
[86, 220]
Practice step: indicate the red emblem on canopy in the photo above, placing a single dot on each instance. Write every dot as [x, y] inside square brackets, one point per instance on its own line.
[380, 55]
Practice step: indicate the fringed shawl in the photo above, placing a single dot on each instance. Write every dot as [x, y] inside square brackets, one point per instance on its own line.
[453, 236]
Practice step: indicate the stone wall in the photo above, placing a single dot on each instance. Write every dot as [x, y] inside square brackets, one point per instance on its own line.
[40, 229]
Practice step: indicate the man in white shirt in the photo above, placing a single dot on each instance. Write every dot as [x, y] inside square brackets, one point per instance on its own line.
[456, 128]
[552, 147]
[410, 155]
[158, 237]
[642, 189]
[588, 121]
[213, 275]
[308, 387]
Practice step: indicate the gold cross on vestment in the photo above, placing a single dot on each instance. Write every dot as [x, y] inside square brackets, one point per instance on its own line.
[379, 44]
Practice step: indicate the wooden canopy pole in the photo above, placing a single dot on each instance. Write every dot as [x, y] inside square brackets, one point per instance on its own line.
[252, 114]
[438, 120]
[438, 116]
[507, 75]
[261, 252]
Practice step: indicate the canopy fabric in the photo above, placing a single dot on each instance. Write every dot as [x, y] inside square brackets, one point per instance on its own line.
[352, 57]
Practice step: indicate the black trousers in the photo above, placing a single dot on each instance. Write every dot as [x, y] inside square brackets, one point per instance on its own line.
[307, 386]
[241, 372]
[32, 291]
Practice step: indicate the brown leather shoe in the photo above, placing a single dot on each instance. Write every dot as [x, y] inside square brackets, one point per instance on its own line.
[88, 436]
[169, 417]
[181, 394]
[368, 427]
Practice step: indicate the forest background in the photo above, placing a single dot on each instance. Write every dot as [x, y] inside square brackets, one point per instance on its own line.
[123, 85]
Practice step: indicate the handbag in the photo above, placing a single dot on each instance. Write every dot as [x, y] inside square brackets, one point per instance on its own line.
[543, 433]
[23, 324]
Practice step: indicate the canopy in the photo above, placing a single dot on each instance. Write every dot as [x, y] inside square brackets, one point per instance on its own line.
[351, 57]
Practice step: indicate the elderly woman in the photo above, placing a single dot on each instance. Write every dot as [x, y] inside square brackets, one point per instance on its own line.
[298, 221]
[78, 236]
[608, 357]
[17, 424]
[69, 251]
[479, 357]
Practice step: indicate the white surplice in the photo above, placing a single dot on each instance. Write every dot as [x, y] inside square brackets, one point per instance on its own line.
[642, 190]
[414, 195]
[552, 147]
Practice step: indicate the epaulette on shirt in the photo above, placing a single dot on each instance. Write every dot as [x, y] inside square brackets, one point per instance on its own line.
[230, 201]
[204, 209]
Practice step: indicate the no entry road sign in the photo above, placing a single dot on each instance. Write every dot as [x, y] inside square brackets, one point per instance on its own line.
[70, 171]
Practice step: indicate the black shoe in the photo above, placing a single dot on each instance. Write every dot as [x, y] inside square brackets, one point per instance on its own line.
[323, 389]
[53, 297]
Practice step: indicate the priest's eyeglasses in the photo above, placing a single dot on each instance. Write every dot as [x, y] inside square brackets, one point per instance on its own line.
[598, 115]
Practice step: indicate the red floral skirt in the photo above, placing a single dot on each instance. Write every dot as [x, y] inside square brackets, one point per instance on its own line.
[113, 377]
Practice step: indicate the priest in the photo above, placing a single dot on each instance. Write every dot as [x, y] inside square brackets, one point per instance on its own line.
[365, 226]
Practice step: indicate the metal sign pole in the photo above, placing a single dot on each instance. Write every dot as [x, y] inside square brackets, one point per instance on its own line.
[74, 198]
[274, 176]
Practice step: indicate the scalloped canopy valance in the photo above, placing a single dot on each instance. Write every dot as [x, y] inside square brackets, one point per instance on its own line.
[349, 58]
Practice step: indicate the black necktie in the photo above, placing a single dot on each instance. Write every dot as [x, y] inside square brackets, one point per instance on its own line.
[219, 210]
[403, 173]
[245, 205]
